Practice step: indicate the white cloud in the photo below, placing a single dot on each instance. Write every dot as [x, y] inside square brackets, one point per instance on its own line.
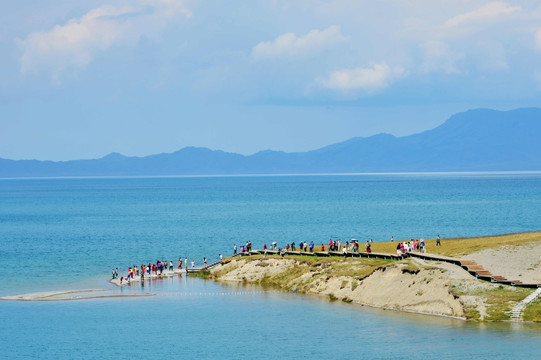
[439, 58]
[289, 44]
[76, 43]
[538, 39]
[369, 79]
[489, 11]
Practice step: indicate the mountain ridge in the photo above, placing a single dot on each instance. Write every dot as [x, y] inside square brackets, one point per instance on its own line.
[474, 140]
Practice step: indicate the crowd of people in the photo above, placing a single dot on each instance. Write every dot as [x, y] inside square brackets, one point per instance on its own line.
[338, 246]
[409, 246]
[154, 269]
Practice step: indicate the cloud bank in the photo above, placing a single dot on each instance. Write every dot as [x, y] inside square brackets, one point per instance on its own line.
[489, 11]
[369, 79]
[289, 44]
[75, 44]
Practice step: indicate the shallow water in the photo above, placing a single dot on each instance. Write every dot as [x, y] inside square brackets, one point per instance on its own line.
[201, 319]
[68, 233]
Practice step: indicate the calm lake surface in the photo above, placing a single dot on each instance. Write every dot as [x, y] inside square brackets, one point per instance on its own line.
[68, 233]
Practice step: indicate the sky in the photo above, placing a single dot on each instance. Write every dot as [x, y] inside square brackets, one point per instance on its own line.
[82, 79]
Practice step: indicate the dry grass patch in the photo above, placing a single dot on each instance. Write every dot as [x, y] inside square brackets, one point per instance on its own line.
[456, 247]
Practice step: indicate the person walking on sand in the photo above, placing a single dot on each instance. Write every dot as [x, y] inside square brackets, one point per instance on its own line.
[438, 240]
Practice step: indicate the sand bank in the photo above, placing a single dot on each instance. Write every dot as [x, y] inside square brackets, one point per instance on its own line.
[69, 295]
[517, 262]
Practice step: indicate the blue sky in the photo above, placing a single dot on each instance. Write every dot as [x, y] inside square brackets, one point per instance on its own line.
[81, 79]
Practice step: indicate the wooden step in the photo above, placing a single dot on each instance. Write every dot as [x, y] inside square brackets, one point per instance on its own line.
[475, 268]
[484, 273]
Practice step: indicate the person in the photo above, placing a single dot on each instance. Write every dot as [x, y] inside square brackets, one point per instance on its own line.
[392, 238]
[398, 249]
[179, 265]
[205, 261]
[193, 263]
[438, 240]
[186, 263]
[345, 251]
[322, 247]
[221, 258]
[422, 245]
[293, 246]
[312, 246]
[113, 274]
[171, 265]
[234, 249]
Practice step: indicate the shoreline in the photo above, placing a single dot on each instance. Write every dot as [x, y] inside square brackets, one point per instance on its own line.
[411, 285]
[67, 295]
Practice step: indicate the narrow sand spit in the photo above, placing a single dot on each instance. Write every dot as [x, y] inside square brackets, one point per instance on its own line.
[68, 295]
[515, 262]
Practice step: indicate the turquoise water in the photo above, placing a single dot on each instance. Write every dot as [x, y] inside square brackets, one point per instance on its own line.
[68, 233]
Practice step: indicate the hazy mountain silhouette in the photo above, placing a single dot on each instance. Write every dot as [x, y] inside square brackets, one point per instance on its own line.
[476, 140]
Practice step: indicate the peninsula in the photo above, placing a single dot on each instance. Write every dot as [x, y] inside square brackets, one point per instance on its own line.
[485, 278]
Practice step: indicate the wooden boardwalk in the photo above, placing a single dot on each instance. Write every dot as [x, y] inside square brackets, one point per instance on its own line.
[475, 269]
[471, 266]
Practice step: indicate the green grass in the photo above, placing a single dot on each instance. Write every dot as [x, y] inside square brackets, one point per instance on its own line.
[499, 301]
[203, 274]
[532, 311]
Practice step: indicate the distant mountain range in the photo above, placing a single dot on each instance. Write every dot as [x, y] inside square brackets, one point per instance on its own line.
[475, 140]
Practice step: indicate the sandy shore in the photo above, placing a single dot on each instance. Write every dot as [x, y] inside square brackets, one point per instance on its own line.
[514, 262]
[69, 295]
